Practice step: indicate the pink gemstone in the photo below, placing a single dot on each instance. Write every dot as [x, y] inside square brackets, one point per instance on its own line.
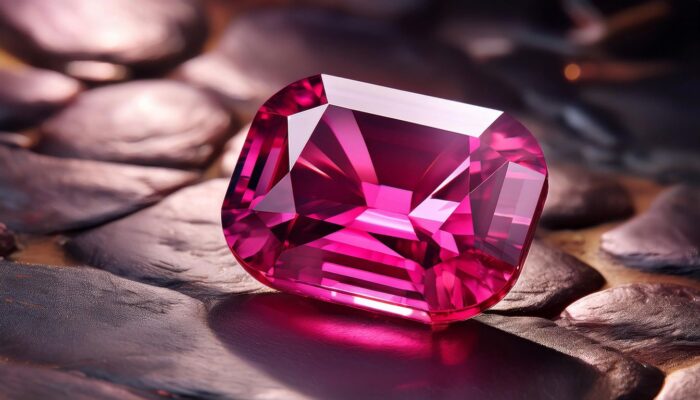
[385, 200]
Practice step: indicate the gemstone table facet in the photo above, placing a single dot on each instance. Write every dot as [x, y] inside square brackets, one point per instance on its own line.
[386, 200]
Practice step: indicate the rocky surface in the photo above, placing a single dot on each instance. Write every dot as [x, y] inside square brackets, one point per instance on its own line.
[105, 40]
[28, 95]
[682, 385]
[619, 376]
[8, 242]
[40, 194]
[550, 280]
[578, 198]
[654, 323]
[30, 382]
[125, 332]
[151, 122]
[665, 238]
[313, 41]
[177, 243]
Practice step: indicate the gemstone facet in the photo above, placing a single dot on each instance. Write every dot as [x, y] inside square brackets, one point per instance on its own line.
[385, 200]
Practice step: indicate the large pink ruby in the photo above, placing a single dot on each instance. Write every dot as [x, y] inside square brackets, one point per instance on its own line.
[385, 200]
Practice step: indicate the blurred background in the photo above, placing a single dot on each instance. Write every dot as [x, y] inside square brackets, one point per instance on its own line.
[610, 84]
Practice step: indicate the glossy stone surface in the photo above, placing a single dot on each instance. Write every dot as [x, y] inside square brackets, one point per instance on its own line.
[385, 200]
[148, 122]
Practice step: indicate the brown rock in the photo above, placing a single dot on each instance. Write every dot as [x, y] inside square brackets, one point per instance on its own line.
[157, 122]
[177, 243]
[103, 40]
[550, 280]
[655, 323]
[41, 194]
[114, 329]
[682, 385]
[578, 198]
[29, 95]
[28, 382]
[619, 376]
[665, 238]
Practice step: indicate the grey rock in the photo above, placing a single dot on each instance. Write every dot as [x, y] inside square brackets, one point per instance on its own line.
[246, 70]
[665, 238]
[178, 243]
[232, 150]
[30, 382]
[105, 40]
[550, 280]
[152, 122]
[619, 377]
[579, 198]
[40, 194]
[683, 384]
[131, 334]
[28, 95]
[657, 324]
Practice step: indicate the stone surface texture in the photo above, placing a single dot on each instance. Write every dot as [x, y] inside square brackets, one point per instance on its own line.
[579, 198]
[654, 323]
[665, 237]
[683, 384]
[149, 122]
[551, 280]
[74, 35]
[29, 95]
[177, 243]
[8, 242]
[40, 194]
[323, 203]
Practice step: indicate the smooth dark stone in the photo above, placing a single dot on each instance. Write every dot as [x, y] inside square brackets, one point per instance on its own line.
[550, 280]
[8, 242]
[177, 243]
[29, 382]
[329, 351]
[620, 377]
[245, 67]
[157, 122]
[114, 329]
[579, 198]
[28, 95]
[232, 150]
[683, 384]
[40, 194]
[372, 8]
[665, 238]
[100, 40]
[654, 323]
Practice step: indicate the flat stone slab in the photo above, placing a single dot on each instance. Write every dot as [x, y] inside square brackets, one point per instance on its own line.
[152, 122]
[177, 243]
[105, 327]
[579, 198]
[619, 377]
[657, 324]
[8, 242]
[683, 384]
[316, 41]
[30, 382]
[665, 238]
[28, 95]
[105, 40]
[329, 351]
[40, 194]
[551, 279]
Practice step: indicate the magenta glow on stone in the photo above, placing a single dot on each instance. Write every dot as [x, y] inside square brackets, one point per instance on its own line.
[385, 200]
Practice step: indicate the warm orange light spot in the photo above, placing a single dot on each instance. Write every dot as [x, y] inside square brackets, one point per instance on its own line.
[572, 72]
